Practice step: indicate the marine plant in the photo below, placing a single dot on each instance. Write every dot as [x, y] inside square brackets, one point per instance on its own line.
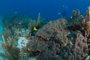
[37, 24]
[7, 33]
[15, 27]
[13, 24]
[56, 40]
[11, 52]
[77, 19]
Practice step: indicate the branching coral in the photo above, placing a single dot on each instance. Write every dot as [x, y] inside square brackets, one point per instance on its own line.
[11, 52]
[16, 20]
[86, 23]
[15, 26]
[34, 23]
[75, 13]
[7, 33]
[37, 24]
[77, 19]
[19, 27]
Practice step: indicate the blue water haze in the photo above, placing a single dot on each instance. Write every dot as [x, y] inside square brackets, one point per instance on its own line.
[49, 9]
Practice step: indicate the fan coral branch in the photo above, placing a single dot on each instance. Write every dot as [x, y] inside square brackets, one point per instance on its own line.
[10, 51]
[75, 13]
[38, 21]
[3, 39]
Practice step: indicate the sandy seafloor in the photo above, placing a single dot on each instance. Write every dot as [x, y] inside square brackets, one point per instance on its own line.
[1, 30]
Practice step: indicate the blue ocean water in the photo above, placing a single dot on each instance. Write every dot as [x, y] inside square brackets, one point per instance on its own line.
[49, 9]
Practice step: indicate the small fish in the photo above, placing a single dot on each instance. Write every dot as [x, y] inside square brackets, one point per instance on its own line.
[35, 29]
[19, 23]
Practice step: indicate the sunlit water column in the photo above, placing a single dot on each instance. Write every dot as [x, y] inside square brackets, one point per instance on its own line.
[1, 30]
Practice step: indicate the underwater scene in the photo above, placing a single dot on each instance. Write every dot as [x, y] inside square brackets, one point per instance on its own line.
[44, 29]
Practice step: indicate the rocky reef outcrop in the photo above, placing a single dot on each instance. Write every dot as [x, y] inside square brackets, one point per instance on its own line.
[56, 42]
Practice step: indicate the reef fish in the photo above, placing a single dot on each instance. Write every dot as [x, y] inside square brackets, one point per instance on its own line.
[35, 29]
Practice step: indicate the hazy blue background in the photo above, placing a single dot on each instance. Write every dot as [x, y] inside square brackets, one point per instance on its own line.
[49, 9]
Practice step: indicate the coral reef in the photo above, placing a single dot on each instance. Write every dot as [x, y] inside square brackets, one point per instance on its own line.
[61, 39]
[38, 24]
[75, 13]
[18, 31]
[55, 42]
[14, 23]
[86, 23]
[77, 21]
[10, 51]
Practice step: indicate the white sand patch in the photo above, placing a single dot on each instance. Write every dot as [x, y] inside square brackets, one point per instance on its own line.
[22, 42]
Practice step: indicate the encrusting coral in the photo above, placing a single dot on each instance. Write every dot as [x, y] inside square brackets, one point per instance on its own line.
[86, 24]
[54, 41]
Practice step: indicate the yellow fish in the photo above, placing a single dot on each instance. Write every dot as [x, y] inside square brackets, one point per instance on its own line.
[35, 29]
